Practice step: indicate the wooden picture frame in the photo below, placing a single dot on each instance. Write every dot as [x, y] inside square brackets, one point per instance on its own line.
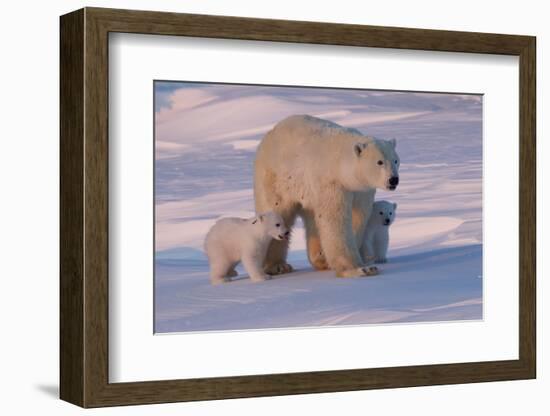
[84, 207]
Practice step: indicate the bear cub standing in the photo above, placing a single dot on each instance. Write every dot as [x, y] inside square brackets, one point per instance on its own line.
[231, 240]
[377, 231]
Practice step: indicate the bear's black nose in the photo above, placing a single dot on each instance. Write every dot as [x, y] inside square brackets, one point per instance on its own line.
[394, 180]
[386, 221]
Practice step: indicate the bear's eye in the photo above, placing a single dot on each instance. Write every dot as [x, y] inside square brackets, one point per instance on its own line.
[380, 163]
[395, 162]
[277, 225]
[391, 213]
[381, 213]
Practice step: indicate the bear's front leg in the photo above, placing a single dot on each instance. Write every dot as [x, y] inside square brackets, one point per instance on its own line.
[367, 251]
[381, 243]
[333, 217]
[253, 266]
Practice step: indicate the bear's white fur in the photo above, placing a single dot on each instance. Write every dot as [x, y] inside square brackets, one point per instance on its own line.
[231, 240]
[377, 231]
[327, 174]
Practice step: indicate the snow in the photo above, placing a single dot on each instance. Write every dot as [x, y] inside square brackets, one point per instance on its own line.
[204, 170]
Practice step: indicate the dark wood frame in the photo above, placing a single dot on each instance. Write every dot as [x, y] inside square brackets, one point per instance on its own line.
[84, 207]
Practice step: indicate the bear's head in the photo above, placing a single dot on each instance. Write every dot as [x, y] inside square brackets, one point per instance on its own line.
[273, 225]
[375, 164]
[383, 212]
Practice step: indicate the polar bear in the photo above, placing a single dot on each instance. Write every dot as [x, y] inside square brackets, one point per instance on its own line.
[377, 231]
[231, 240]
[327, 174]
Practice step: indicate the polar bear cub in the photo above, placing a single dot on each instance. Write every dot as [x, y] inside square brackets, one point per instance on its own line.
[377, 231]
[232, 240]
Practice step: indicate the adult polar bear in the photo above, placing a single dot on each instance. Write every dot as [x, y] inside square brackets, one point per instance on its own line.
[327, 174]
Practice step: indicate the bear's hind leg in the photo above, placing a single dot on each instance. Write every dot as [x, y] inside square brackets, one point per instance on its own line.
[314, 249]
[266, 199]
[275, 259]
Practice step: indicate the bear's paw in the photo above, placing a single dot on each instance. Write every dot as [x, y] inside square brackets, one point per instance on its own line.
[279, 268]
[360, 271]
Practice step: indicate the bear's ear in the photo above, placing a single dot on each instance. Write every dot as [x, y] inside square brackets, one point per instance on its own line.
[394, 206]
[359, 148]
[393, 142]
[259, 217]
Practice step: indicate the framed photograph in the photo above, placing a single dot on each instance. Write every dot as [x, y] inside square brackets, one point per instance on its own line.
[255, 207]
